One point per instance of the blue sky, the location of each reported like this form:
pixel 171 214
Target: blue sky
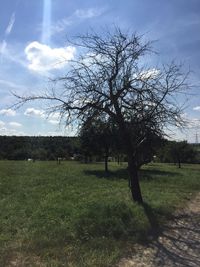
pixel 33 36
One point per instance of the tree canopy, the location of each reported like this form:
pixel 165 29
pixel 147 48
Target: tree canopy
pixel 109 79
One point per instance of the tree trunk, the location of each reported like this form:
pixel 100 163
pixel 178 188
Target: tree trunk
pixel 85 158
pixel 118 159
pixel 132 167
pixel 106 160
pixel 134 180
pixel 179 163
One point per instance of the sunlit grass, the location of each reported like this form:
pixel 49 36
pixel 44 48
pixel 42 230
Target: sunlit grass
pixel 74 215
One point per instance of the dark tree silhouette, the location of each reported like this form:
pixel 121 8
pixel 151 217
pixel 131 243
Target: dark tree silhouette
pixel 108 79
pixel 98 137
pixel 178 153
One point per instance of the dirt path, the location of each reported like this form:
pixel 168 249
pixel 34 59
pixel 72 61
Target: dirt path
pixel 178 245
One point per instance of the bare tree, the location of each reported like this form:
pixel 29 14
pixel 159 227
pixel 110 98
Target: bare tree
pixel 108 80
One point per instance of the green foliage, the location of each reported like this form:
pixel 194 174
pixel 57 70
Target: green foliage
pixel 37 147
pixel 98 137
pixel 178 152
pixel 74 215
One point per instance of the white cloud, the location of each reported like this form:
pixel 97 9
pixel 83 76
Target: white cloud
pixel 34 112
pixel 8 112
pixel 197 108
pixel 10 131
pixel 44 58
pixel 54 116
pixel 2 124
pixel 54 122
pixel 193 123
pixel 15 124
pixel 149 74
pixel 6 131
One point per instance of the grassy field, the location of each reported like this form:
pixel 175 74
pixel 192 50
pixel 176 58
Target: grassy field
pixel 74 215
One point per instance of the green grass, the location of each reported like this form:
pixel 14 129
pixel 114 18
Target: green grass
pixel 74 215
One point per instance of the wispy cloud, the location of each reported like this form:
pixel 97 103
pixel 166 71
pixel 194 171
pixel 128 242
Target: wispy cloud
pixel 88 13
pixel 78 16
pixel 7 33
pixel 14 53
pixel 3 46
pixel 11 85
pixel 10 24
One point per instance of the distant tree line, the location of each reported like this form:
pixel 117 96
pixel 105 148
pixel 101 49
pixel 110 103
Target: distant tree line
pixel 97 141
pixel 178 153
pixel 38 147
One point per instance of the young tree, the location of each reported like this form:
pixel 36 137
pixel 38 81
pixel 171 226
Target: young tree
pixel 108 80
pixel 98 137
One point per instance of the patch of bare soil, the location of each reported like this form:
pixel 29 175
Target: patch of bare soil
pixel 177 245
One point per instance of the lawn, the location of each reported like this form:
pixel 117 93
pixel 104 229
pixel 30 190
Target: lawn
pixel 73 214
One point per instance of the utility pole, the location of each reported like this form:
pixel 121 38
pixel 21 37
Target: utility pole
pixel 196 139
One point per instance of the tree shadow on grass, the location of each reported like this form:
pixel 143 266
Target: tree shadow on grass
pixel 152 218
pixel 145 174
pixel 110 175
pixel 123 174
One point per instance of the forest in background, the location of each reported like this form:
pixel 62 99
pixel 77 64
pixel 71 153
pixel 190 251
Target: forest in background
pixel 38 147
pixel 54 147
